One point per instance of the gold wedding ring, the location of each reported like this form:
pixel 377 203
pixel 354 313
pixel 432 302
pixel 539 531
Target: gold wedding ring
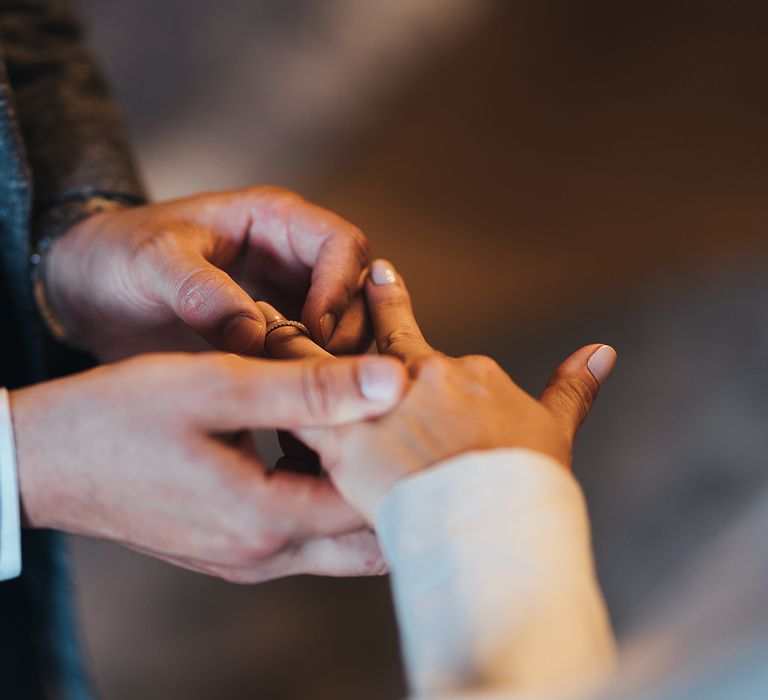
pixel 282 323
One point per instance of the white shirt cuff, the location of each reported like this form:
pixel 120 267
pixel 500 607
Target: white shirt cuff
pixel 10 526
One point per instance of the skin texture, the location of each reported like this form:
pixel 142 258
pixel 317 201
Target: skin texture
pixel 151 453
pixel 181 275
pixel 452 405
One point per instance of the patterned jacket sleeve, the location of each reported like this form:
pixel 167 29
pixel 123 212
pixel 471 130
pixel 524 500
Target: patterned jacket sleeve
pixel 75 142
pixel 75 147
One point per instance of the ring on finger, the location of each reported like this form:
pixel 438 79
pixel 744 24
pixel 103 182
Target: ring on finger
pixel 283 323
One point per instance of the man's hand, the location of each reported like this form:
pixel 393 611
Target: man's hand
pixel 452 406
pixel 170 276
pixel 153 453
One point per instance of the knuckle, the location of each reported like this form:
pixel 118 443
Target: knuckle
pixel 432 368
pixel 162 240
pixel 251 542
pixel 198 290
pixel 255 549
pixel 360 242
pixel 578 395
pixel 481 364
pixel 279 196
pixel 397 337
pixel 357 235
pixel 317 389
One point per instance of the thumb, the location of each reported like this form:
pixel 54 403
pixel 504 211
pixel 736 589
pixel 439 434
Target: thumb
pixel 573 387
pixel 292 394
pixel 209 301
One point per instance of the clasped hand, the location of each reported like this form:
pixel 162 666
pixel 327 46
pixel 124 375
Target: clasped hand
pixel 154 452
pixel 183 275
pixel 450 407
pixel 151 452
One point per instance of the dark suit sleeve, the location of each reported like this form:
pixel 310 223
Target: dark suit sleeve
pixel 76 146
pixel 73 139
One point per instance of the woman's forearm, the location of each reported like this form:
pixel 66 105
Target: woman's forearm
pixel 493 577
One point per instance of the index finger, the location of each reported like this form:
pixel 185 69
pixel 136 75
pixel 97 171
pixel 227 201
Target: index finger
pixel 394 326
pixel 336 275
pixel 299 232
pixel 289 342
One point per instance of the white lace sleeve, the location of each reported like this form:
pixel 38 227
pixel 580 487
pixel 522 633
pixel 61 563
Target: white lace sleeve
pixel 493 578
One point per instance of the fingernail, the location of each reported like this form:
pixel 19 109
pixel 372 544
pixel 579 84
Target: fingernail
pixel 383 272
pixel 327 326
pixel 241 333
pixel 380 380
pixel 601 363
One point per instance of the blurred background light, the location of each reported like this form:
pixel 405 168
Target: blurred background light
pixel 544 174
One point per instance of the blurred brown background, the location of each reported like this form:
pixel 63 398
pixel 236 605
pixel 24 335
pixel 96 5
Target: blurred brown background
pixel 545 174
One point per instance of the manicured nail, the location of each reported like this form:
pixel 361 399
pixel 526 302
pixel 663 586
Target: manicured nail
pixel 382 272
pixel 327 326
pixel 241 333
pixel 380 380
pixel 601 363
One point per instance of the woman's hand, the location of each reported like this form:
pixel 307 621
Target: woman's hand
pixel 452 406
pixel 170 276
pixel 153 453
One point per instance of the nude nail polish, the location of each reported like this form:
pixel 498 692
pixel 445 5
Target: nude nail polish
pixel 383 272
pixel 379 381
pixel 601 363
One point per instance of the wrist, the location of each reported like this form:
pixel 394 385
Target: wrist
pixel 49 294
pixel 58 288
pixel 371 491
pixel 365 490
pixel 58 261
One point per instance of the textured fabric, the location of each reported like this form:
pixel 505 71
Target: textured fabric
pixel 60 140
pixel 493 578
pixel 69 125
